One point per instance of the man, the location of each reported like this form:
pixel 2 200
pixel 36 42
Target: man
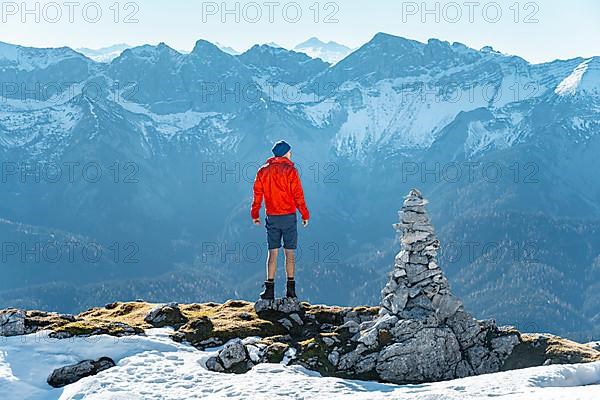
pixel 278 182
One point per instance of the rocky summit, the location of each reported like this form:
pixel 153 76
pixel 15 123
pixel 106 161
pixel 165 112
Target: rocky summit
pixel 419 333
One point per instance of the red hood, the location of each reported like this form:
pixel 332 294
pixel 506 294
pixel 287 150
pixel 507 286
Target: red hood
pixel 279 160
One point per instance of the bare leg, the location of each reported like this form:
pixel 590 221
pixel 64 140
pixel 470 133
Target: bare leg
pixel 290 263
pixel 272 263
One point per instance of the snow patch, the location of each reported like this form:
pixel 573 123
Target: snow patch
pixel 155 367
pixel 570 85
pixel 402 114
pixel 481 138
pixel 39 130
pixel 319 114
pixel 175 123
pixel 284 93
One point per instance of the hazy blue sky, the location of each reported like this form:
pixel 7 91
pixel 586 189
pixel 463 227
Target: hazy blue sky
pixel 538 31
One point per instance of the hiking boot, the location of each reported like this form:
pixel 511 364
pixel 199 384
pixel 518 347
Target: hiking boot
pixel 291 289
pixel 269 292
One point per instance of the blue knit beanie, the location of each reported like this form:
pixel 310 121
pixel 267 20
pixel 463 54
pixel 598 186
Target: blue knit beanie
pixel 281 148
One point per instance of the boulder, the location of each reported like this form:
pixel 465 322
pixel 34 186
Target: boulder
pixel 213 364
pixel 285 305
pixel 233 353
pixel 12 322
pixel 72 373
pixel 431 355
pixel 274 353
pixel 165 315
pixel 232 358
pixel 197 332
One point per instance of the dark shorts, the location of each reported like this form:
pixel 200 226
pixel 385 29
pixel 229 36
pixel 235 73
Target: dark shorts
pixel 282 226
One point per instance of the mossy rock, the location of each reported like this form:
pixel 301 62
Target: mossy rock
pixel 334 315
pixel 234 319
pixel 40 320
pixel 384 337
pixel 195 331
pixel 535 350
pixel 92 328
pixel 312 354
pixel 275 352
pixel 115 319
pixel 325 314
pixel 132 314
pixel 367 310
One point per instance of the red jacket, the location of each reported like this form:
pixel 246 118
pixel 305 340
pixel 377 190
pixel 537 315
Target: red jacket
pixel 279 183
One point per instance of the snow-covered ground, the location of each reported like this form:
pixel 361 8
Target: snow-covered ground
pixel 155 367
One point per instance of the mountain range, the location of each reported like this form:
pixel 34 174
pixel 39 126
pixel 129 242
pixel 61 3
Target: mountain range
pixel 138 173
pixel 330 52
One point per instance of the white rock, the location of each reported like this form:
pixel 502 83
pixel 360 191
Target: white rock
pixel 395 302
pixel 369 338
pixel 413 237
pixel 402 257
pixel 399 273
pixel 334 358
pixel 12 323
pixel 296 319
pixel 446 305
pixel 353 326
pixel 286 323
pixel 289 355
pixel 233 353
pixel 254 352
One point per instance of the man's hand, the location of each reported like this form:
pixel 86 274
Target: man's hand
pixel 305 223
pixel 256 221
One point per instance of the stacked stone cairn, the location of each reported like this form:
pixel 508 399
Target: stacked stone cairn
pixel 422 332
pixel 417 285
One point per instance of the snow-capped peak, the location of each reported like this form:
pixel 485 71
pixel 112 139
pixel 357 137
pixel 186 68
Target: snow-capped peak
pixel 331 52
pixel 104 54
pixel 227 49
pixel 585 79
pixel 274 45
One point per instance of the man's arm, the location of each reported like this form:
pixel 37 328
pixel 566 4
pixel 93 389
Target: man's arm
pixel 298 194
pixel 258 198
